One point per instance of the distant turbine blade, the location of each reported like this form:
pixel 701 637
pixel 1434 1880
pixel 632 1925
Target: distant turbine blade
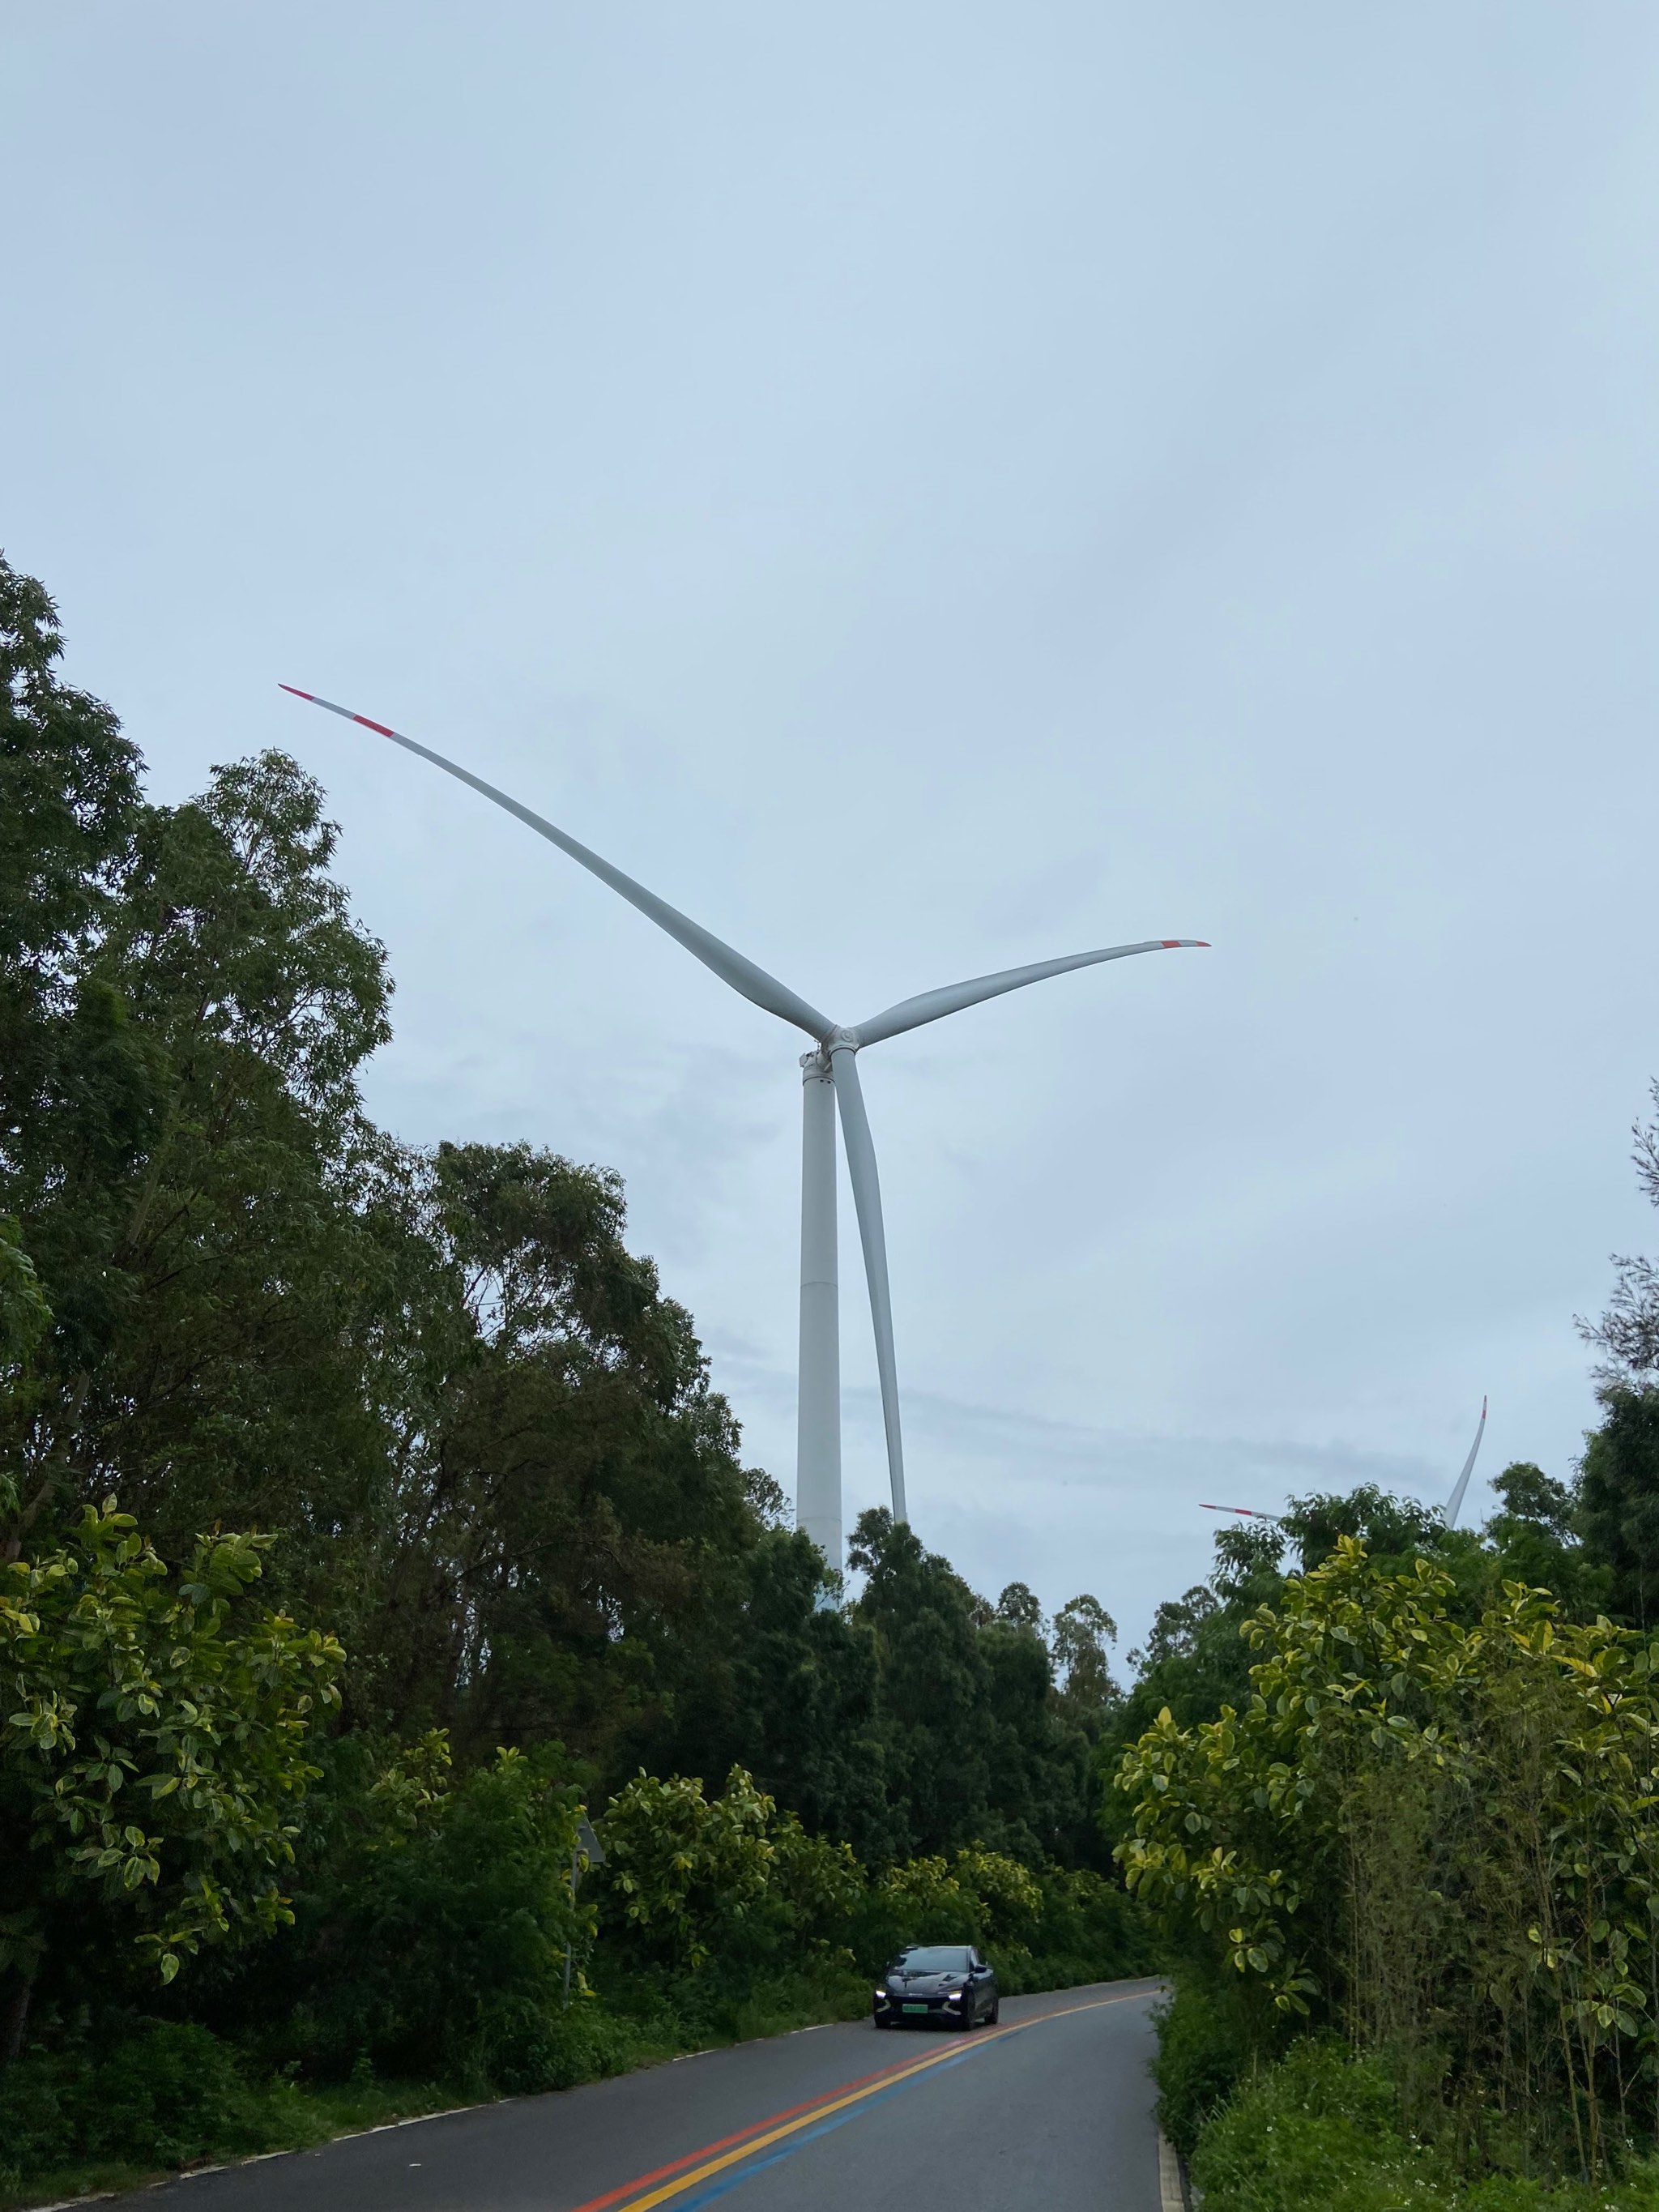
pixel 755 984
pixel 1249 1511
pixel 866 1197
pixel 1455 1506
pixel 933 1005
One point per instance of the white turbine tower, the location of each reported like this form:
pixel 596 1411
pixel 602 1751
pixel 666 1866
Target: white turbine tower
pixel 830 1079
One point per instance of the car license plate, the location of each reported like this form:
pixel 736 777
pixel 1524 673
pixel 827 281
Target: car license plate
pixel 914 2008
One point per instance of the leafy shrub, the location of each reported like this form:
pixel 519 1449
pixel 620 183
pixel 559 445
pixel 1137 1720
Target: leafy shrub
pixel 443 1951
pixel 1008 1899
pixel 816 1885
pixel 1361 1836
pixel 920 1902
pixel 727 1892
pixel 168 2095
pixel 685 1871
pixel 1319 2129
pixel 1203 2050
pixel 152 1745
pixel 1090 1930
pixel 1322 2129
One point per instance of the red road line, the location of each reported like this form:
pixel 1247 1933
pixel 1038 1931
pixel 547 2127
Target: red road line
pixel 755 2128
pixel 899 2067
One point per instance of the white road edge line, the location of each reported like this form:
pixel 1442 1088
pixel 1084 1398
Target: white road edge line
pixel 1172 2193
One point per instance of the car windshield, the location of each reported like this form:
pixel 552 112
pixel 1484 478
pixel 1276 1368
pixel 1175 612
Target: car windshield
pixel 942 1959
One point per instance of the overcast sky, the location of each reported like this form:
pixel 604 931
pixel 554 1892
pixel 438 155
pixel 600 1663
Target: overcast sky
pixel 930 487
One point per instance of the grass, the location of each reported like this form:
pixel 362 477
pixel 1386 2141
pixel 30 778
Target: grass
pixel 282 2116
pixel 176 2099
pixel 1321 2129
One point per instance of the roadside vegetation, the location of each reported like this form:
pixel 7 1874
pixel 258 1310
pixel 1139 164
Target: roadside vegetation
pixel 1396 1810
pixel 367 1516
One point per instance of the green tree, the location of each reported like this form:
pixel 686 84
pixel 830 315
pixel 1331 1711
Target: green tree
pixel 686 1871
pixel 153 1753
pixel 432 1939
pixel 1443 1832
pixel 69 798
pixel 1534 1538
pixel 1618 1503
pixel 804 1713
pixel 1389 1526
pixel 565 1550
pixel 1627 1334
pixel 933 1681
pixel 1090 1695
pixel 189 1188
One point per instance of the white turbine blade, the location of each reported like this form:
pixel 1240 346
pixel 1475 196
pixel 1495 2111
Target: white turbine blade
pixel 933 1005
pixel 866 1197
pixel 1249 1513
pixel 754 983
pixel 1455 1506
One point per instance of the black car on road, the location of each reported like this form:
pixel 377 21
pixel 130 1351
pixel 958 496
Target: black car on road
pixel 947 1981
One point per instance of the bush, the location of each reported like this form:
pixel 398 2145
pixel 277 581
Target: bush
pixel 1203 2051
pixel 443 1953
pixel 1322 2129
pixel 154 1736
pixel 1318 2129
pixel 685 1872
pixel 169 2095
pixel 1090 1930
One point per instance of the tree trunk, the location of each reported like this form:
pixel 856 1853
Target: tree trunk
pixel 15 2018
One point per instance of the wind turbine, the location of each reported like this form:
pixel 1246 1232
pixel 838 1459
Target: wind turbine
pixel 1454 1505
pixel 829 1078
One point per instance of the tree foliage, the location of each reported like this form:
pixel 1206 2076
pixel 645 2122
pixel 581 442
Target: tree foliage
pixel 153 1752
pixel 1442 1833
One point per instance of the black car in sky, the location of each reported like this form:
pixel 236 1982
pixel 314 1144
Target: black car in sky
pixel 947 1981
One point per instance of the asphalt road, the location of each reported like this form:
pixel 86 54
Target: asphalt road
pixel 1052 2109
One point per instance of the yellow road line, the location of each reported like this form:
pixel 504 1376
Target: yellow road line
pixel 685 2181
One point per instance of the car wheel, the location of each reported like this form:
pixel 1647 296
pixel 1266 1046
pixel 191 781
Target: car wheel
pixel 991 2017
pixel 882 2023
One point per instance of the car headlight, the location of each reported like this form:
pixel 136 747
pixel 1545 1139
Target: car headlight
pixel 880 1996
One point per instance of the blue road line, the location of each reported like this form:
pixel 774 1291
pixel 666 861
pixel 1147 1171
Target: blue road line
pixel 825 2127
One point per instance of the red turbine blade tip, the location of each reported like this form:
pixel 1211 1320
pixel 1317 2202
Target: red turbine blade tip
pixel 296 691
